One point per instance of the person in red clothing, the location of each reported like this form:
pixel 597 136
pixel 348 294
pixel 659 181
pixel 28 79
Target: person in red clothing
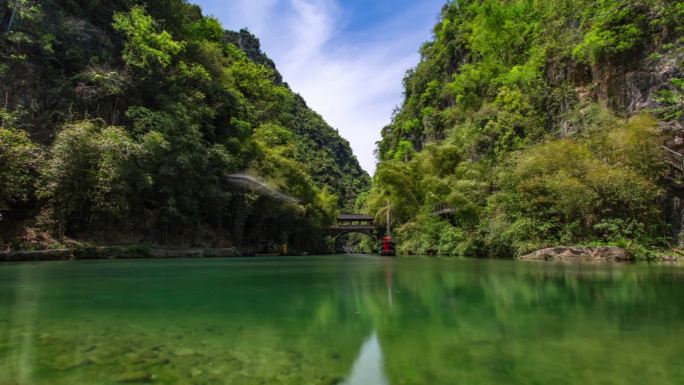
pixel 387 243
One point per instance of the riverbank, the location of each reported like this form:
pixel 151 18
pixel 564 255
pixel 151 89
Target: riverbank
pixel 115 252
pixel 597 254
pixel 26 241
pixel 558 254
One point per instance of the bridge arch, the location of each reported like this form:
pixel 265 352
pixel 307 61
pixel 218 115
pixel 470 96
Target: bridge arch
pixel 341 234
pixel 353 224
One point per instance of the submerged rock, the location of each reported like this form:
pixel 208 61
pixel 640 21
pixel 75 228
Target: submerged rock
pixel 135 378
pixel 579 254
pixel 183 352
pixel 81 364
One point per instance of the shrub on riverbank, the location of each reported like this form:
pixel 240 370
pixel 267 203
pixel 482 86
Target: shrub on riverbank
pixel 602 188
pixel 603 185
pixel 20 161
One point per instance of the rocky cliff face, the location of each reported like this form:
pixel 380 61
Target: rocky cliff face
pixel 645 88
pixel 647 80
pixel 628 85
pixel 631 89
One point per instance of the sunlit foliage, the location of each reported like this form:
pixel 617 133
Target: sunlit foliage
pixel 501 122
pixel 145 108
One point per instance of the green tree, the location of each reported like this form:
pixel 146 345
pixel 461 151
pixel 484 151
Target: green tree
pixel 144 45
pixel 20 161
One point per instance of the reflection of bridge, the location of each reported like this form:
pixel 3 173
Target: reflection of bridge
pixel 353 223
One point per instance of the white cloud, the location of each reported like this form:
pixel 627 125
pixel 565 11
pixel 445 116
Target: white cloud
pixel 353 79
pixel 257 14
pixel 311 27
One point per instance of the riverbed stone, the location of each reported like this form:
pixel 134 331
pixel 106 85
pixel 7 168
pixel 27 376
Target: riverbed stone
pixel 135 378
pixel 580 254
pixel 183 352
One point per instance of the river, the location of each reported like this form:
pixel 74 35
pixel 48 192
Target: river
pixel 352 320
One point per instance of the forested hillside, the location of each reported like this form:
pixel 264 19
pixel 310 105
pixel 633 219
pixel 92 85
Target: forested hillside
pixel 538 123
pixel 127 118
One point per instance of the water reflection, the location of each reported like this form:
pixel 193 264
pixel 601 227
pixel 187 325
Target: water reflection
pixel 307 321
pixel 22 327
pixel 389 280
pixel 368 366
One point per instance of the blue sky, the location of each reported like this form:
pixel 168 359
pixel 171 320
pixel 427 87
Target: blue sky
pixel 347 58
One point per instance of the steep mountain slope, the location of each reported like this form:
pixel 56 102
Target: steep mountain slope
pixel 125 116
pixel 537 123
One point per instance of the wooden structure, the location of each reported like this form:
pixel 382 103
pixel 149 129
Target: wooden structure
pixel 442 209
pixel 674 158
pixel 353 223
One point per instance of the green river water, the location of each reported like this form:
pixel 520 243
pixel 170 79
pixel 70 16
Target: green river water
pixel 346 320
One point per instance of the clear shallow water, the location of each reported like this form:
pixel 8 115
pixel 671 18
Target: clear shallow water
pixel 339 320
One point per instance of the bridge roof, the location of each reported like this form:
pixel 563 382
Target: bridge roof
pixel 355 217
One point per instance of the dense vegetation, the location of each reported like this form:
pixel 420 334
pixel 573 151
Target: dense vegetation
pixel 527 119
pixel 127 117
